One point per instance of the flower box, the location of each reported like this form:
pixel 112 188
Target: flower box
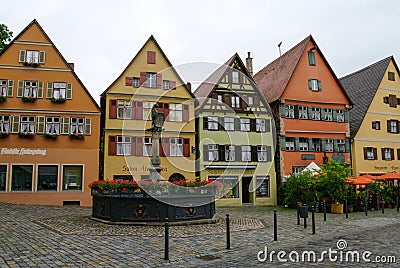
pixel 31 64
pixel 2 99
pixel 76 136
pixel 28 99
pixel 26 135
pixel 50 136
pixel 4 135
pixel 58 100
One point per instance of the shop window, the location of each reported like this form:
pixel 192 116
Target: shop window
pixel 47 178
pixel 263 186
pixel 3 177
pixel 21 178
pixel 227 186
pixel 72 177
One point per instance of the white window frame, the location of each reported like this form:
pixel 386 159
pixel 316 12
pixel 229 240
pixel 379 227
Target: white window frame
pixel 175 112
pixel 316 144
pixel 151 80
pixel 261 124
pixel 166 84
pixel 229 123
pixel 147 106
pixel 235 102
pixel 135 82
pixel 32 56
pixel 30 89
pixel 59 90
pixel 245 124
pixel 3 87
pixel 303 144
pixel 329 145
pixel 219 98
pixel 53 125
pixel 235 77
pixel 124 109
pixel 124 145
pixel 339 115
pixel 212 123
pixel 230 155
pixel 316 113
pixel 387 154
pixel 370 153
pixel 341 145
pixel 77 125
pixel 147 146
pixel 303 112
pixel 213 153
pixel 246 153
pixel 328 114
pixel 176 147
pixel 27 124
pixel 4 123
pixel 289 142
pixel 393 126
pixel 250 100
pixel 289 111
pixel 314 84
pixel 262 153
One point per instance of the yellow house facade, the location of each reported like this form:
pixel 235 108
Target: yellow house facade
pixel 375 117
pixel 148 79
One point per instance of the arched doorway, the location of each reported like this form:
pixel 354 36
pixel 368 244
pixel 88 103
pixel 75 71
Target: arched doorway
pixel 176 177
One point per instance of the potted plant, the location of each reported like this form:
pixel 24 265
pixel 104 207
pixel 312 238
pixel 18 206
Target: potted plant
pixel 4 135
pixel 50 136
pixel 298 188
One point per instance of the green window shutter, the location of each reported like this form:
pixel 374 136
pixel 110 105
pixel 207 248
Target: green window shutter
pixel 65 125
pixel 323 145
pixel 69 91
pixel 88 126
pixel 283 110
pixel 20 90
pixel 335 146
pixel 347 146
pixel 15 124
pixel 311 58
pixel 346 116
pixel 296 111
pixel 319 85
pixel 322 113
pixel 40 90
pixel 10 91
pixel 40 124
pixel 334 114
pixel 22 56
pixel 42 57
pixel 283 143
pixel 310 145
pixel 310 84
pixel 49 92
pixel 297 144
pixel 309 111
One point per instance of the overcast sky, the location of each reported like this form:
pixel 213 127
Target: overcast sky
pixel 102 37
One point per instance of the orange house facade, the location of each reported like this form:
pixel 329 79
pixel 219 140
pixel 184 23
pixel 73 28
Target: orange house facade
pixel 310 108
pixel 49 125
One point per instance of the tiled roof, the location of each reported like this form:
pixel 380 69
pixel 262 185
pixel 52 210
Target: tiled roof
pixel 361 86
pixel 273 78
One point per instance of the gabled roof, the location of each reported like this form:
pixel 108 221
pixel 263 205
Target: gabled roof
pixel 362 86
pixel 206 88
pixel 273 79
pixel 151 38
pixel 35 22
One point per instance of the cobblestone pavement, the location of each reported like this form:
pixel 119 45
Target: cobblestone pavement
pixel 45 236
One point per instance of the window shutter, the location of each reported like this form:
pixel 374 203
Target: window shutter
pixel 323 145
pixel 309 112
pixel 139 110
pixel 373 124
pixel 383 153
pixel 22 56
pixel 347 146
pixel 40 124
pixel 185 114
pixel 186 147
pixel 42 57
pixel 228 100
pixel 159 80
pixel 322 113
pixel 165 146
pixel 49 92
pixel 346 116
pixel 243 103
pixel 398 126
pixel 297 144
pixel 20 90
pixel 375 153
pixel 310 84
pixel 142 79
pixel 172 84
pixel 319 85
pixel 283 110
pixel 267 125
pixel 392 153
pixel 10 91
pixel 221 124
pixel 254 155
pixel 256 101
pixel 237 124
pixel 69 91
pixel 40 89
pixel 113 109
pixel 398 154
pixel 365 153
pixel 205 122
pixel 253 124
pixel 139 146
pixel 335 146
pixel 238 153
pixel 133 113
pixel 311 58
pixel 385 99
pixel 88 126
pixel 388 126
pixel 296 111
pixel 334 114
pixel 151 57
pixel 205 152
pixel 15 124
pixel 128 81
pixel 65 125
pixel 269 153
pixel 283 143
pixel 166 111
pixel 112 145
pixel 133 145
pixel 392 101
pixel 310 145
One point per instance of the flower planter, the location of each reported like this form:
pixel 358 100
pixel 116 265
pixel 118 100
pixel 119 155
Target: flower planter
pixel 31 64
pixel 59 100
pixel 26 135
pixel 28 99
pixel 337 208
pixel 2 99
pixel 76 136
pixel 51 136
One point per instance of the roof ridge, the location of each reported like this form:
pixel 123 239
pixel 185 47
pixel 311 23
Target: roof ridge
pixel 367 67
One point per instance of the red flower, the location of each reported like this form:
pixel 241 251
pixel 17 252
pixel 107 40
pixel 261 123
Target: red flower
pixel 123 190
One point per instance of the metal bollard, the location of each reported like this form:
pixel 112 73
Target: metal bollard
pixel 275 226
pixel 305 218
pixel 366 207
pixel 383 206
pixel 346 208
pixel 228 233
pixel 313 219
pixel 166 252
pixel 324 210
pixel 298 213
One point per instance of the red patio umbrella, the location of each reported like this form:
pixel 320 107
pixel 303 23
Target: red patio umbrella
pixel 360 180
pixel 391 176
pixel 369 176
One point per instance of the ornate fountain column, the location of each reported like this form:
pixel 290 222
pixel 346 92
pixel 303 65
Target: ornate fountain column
pixel 157 126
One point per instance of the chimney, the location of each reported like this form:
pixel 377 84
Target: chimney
pixel 249 63
pixel 189 86
pixel 72 65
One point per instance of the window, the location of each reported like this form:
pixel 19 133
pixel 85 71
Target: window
pixel 175 112
pixel 297 169
pixel 303 144
pixel 316 113
pixel 30 89
pixel 165 84
pixel 147 146
pixel 229 123
pixel 314 85
pixel 393 126
pixel 3 176
pixel 289 144
pixel 151 80
pixel 231 189
pixel 176 147
pixel 289 111
pixel 3 88
pixel 4 123
pixel 22 178
pixel 147 106
pixel 261 125
pixel 219 98
pixel 376 125
pixel 250 101
pixel 124 109
pixel 339 115
pixel 261 153
pixel 212 123
pixel 28 124
pixel 47 178
pixel 370 153
pixel 329 145
pixel 316 145
pixel 53 125
pixel 311 58
pixel 77 125
pixel 246 153
pixel 244 124
pixel 341 144
pixel 72 177
pixel 328 115
pixel 235 77
pixel 59 90
pixel 263 186
pixel 229 153
pixel 136 82
pixel 235 102
pixel 123 145
pixel 387 154
pixel 213 152
pixel 303 114
pixel 32 56
pixel 391 76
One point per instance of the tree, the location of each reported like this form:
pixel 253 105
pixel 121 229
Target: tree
pixel 5 36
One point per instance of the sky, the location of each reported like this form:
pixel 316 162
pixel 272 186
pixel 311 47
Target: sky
pixel 101 37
